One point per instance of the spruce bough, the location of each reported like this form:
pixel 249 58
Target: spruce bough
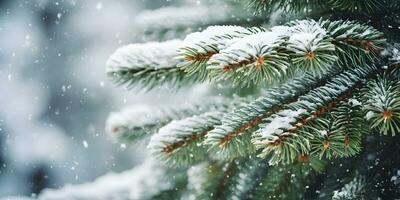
pixel 323 93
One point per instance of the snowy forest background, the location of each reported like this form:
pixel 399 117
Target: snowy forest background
pixel 55 96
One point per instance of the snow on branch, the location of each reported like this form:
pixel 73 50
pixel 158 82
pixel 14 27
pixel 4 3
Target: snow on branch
pixel 153 55
pixel 179 142
pixel 382 105
pixel 279 135
pixel 232 138
pixel 197 48
pixel 140 183
pixel 339 132
pixel 147 65
pixel 370 6
pixel 135 122
pixel 250 55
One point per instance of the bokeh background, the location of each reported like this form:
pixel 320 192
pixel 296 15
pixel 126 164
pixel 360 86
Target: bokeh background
pixel 54 93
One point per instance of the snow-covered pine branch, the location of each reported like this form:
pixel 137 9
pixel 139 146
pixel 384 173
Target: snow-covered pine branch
pixel 382 105
pixel 355 6
pixel 147 65
pixel 143 182
pixel 232 138
pixel 179 143
pixel 338 133
pixel 137 121
pixel 250 55
pixel 197 48
pixel 279 135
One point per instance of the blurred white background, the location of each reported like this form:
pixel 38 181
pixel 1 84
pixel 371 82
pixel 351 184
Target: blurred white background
pixel 55 95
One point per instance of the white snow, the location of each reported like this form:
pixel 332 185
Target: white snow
pixel 369 115
pixel 308 26
pixel 153 55
pixel 306 35
pixel 280 122
pixel 139 183
pixel 354 102
pixel 305 40
pixel 246 48
pixel 323 133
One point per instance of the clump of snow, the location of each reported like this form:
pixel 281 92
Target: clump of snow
pixel 281 122
pixel 306 35
pixel 139 183
pixel 247 48
pixel 305 40
pixel 308 26
pixel 323 133
pixel 154 55
pixel 369 115
pixel 354 102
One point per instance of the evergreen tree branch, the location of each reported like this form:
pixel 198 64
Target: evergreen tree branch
pixel 338 133
pixel 382 105
pixel 136 122
pixel 368 6
pixel 145 66
pixel 198 47
pixel 179 142
pixel 264 56
pixel 232 138
pixel 279 135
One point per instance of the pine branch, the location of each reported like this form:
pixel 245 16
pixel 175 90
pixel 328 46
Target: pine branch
pixel 305 6
pixel 135 122
pixel 338 133
pixel 145 66
pixel 267 56
pixel 232 138
pixel 247 55
pixel 279 135
pixel 356 43
pixel 382 106
pixel 179 142
pixel 197 48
